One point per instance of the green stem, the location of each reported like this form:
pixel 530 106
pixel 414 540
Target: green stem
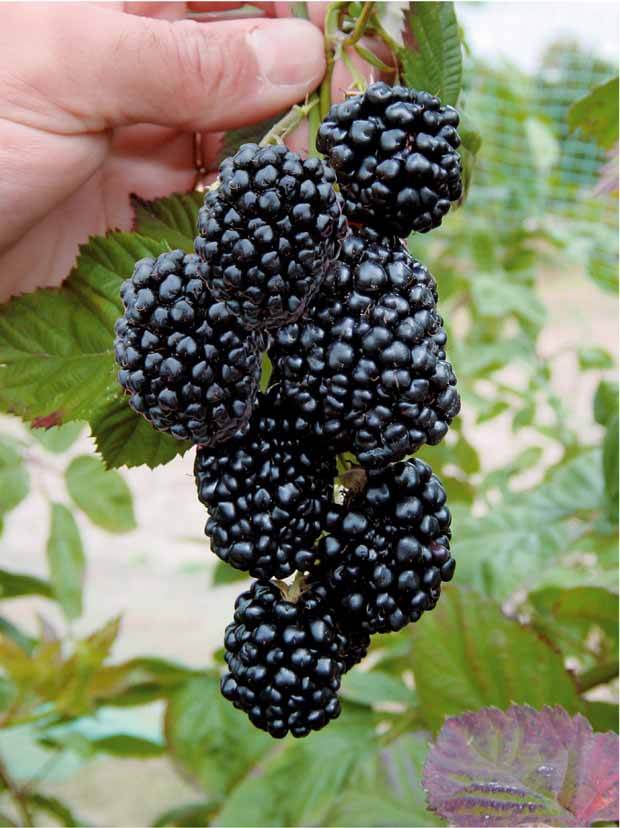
pixel 17 795
pixel 288 123
pixel 314 122
pixel 360 25
pixel 412 720
pixel 599 674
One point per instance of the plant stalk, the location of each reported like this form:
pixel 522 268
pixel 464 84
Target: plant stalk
pixel 17 795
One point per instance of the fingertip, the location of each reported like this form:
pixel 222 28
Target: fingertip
pixel 289 53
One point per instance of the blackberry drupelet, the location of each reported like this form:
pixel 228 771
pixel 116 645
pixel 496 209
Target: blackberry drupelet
pixel 268 233
pixel 267 492
pixel 388 549
pixel 185 362
pixel 395 154
pixel 366 365
pixel 284 660
pixel 354 643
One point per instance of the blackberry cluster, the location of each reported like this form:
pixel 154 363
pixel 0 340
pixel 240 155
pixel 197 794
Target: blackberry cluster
pixel 395 153
pixel 367 363
pixel 388 549
pixel 268 233
pixel 285 660
pixel 185 362
pixel 268 491
pixel 357 348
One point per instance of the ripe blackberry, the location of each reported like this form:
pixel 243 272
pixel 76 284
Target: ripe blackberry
pixel 388 549
pixel 267 491
pixel 185 361
pixel 268 232
pixel 367 363
pixel 283 659
pixel 395 154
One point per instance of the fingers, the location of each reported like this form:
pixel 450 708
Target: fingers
pixel 113 69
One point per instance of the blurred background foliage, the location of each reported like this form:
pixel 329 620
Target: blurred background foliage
pixel 532 476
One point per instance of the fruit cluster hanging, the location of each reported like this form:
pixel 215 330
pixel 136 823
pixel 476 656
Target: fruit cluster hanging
pixel 304 259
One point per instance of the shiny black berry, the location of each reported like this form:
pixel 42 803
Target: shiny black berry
pixel 185 362
pixel 267 491
pixel 284 660
pixel 395 154
pixel 268 233
pixel 367 363
pixel 388 549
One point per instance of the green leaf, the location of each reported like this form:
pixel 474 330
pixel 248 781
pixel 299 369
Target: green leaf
pixel 603 716
pixel 188 816
pixel 139 681
pixel 14 483
pixel 466 654
pixel 51 806
pixel 56 345
pixel 213 743
pixel 54 807
pixel 435 63
pixel 497 298
pixel 101 494
pixel 596 114
pixel 15 584
pixel 580 607
pixel 509 547
pixel 302 783
pixel 123 438
pixel 17 636
pixel 375 687
pixel 597 359
pixel 171 220
pixel 116 732
pixel 58 439
pixel 251 134
pixel 610 468
pixel 471 141
pixel 606 404
pixel 65 557
pixel 225 574
pixel 393 793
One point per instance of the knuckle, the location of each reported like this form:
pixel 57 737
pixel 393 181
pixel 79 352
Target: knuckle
pixel 204 59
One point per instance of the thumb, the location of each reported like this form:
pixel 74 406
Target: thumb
pixel 113 69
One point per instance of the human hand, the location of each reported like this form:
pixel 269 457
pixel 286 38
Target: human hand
pixel 99 101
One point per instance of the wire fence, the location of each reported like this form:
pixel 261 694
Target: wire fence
pixel 530 164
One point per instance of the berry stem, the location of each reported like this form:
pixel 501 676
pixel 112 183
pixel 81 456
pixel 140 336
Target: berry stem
pixel 314 122
pixel 289 122
pixel 361 24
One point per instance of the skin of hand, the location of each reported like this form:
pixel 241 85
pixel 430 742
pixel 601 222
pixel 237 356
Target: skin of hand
pixel 100 100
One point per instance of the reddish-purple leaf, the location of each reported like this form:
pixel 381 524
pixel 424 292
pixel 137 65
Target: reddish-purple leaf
pixel 522 767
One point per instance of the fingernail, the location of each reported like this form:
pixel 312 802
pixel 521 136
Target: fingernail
pixel 288 52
